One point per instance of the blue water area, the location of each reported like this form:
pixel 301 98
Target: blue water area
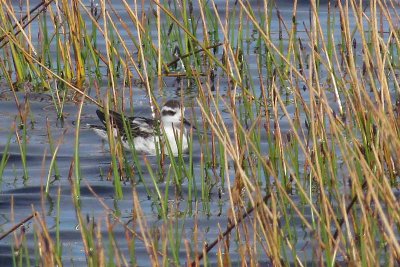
pixel 21 195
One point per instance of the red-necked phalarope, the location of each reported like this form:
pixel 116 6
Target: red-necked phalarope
pixel 144 131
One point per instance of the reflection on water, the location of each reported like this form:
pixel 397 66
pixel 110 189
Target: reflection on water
pixel 20 194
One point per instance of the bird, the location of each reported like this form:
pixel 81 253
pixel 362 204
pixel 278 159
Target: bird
pixel 147 134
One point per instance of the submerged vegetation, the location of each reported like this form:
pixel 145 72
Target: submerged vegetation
pixel 297 115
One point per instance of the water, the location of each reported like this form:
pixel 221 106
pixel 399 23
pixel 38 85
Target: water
pixel 21 195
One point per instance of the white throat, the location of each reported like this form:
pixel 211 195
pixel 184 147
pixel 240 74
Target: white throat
pixel 177 139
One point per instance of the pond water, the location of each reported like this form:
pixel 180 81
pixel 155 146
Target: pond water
pixel 20 195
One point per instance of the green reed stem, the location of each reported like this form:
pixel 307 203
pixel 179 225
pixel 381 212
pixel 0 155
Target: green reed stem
pixel 5 155
pixel 58 214
pixel 77 167
pixel 22 148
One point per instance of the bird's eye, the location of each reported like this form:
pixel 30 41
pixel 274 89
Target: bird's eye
pixel 168 113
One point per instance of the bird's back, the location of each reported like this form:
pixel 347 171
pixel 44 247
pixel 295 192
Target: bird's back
pixel 137 126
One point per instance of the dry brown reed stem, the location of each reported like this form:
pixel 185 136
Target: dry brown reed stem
pixel 269 42
pixel 304 150
pixel 75 187
pixel 204 24
pixel 20 28
pixel 74 19
pixel 127 29
pixel 16 226
pixel 110 65
pixel 123 42
pixel 282 189
pixel 49 71
pixel 227 47
pixel 373 185
pixel 193 53
pixel 207 247
pixel 372 70
pixel 159 57
pixel 194 39
pixel 329 66
pixel 136 209
pixel 317 110
pixel 20 24
pixel 47 250
pixel 348 209
pixel 152 102
pixel 229 148
pixel 151 250
pixel 48 255
pixel 99 244
pixel 117 257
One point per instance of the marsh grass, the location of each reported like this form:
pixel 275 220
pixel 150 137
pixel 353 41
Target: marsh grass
pixel 6 154
pixel 303 140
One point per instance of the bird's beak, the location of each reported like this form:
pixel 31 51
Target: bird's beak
pixel 186 122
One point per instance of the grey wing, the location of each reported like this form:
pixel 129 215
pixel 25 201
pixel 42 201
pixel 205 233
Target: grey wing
pixel 116 119
pixel 142 126
pixel 138 126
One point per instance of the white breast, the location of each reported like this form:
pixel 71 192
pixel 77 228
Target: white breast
pixel 176 139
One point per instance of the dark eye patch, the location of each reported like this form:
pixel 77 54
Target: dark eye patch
pixel 168 112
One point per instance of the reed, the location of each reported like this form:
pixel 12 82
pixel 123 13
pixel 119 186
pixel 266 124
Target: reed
pixel 5 155
pixel 21 139
pixel 297 124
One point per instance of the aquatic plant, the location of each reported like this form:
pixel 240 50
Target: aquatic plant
pixel 297 128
